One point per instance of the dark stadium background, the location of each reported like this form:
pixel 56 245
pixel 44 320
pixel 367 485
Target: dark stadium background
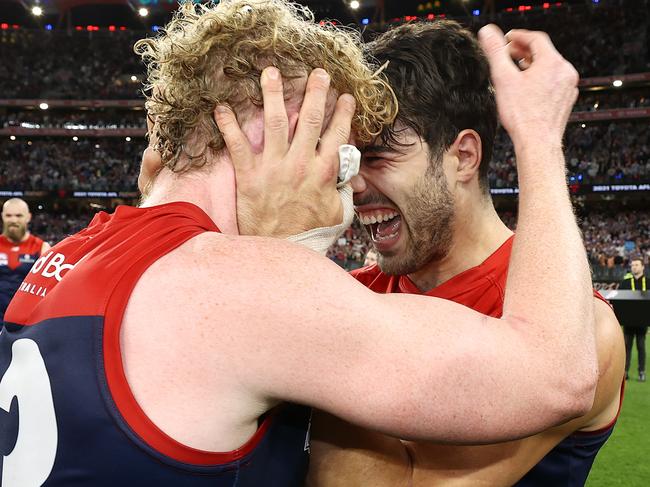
pixel 72 129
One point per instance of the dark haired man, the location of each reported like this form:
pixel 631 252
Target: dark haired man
pixel 423 196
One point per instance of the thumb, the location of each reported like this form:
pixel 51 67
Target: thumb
pixel 495 46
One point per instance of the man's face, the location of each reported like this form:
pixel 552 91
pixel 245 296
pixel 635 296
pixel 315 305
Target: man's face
pixel 636 267
pixel 406 205
pixel 15 217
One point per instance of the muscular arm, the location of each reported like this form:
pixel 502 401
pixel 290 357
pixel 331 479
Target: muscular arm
pixel 391 362
pixel 504 464
pixel 307 332
pixel 346 455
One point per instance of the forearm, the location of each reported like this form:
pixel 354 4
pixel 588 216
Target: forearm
pixel 557 305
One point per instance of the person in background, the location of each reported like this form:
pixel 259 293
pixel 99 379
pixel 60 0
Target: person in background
pixel 19 249
pixel 635 280
pixel 371 258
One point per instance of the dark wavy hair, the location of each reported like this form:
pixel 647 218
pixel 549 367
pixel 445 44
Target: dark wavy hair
pixel 442 81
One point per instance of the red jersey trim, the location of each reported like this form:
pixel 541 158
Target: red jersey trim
pixel 121 393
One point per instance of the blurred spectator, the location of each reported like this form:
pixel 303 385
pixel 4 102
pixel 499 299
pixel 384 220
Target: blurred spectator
pixel 635 281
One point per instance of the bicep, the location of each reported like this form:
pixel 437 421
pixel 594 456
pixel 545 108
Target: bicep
pixel 410 366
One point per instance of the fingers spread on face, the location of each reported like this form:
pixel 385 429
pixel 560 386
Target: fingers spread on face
pixel 312 114
pixel 276 122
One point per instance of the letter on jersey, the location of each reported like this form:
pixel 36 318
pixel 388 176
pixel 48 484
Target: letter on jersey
pixel 31 461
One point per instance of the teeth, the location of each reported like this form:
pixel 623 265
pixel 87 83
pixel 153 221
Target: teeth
pixel 369 219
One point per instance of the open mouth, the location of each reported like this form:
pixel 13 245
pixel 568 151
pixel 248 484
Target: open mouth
pixel 383 225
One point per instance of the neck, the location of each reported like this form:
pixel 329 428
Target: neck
pixel 211 188
pixel 477 233
pixel 638 276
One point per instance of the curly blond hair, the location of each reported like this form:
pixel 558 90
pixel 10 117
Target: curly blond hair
pixel 214 54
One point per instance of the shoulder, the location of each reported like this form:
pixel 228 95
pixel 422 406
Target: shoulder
pixel 367 274
pixel 611 362
pixel 238 267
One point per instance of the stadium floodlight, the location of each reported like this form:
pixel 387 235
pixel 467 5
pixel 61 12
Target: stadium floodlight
pixel 143 12
pixel 12 137
pixel 583 125
pixel 75 138
pixel 43 106
pixel 37 11
pixel 128 139
pixel 134 77
pixel 354 4
pixel 617 83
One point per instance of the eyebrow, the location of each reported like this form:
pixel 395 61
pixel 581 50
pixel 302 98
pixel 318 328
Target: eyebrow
pixel 380 149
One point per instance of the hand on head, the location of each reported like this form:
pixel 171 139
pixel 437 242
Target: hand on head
pixel 289 187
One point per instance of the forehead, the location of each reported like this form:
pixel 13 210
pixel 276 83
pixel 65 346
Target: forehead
pixel 15 208
pixel 402 139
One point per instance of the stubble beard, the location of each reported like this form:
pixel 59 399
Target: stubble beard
pixel 430 215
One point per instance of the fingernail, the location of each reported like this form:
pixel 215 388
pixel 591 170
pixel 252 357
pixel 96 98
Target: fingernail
pixel 221 109
pixel 272 72
pixel 322 74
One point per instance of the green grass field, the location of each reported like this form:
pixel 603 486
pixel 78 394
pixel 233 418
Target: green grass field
pixel 624 460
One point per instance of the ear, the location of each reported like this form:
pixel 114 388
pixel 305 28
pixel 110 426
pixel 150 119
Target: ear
pixel 469 151
pixel 151 165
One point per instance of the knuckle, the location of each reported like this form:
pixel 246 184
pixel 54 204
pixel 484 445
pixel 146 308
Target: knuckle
pixel 277 122
pixel 342 133
pixel 313 117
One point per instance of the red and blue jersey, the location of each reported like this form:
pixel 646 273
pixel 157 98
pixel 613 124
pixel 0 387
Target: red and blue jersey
pixel 15 261
pixel 67 414
pixel 482 288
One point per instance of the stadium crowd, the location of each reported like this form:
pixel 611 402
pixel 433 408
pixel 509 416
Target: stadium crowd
pixel 603 152
pixel 613 34
pixel 41 164
pixel 75 120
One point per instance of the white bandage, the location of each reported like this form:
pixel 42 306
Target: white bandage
pixel 321 239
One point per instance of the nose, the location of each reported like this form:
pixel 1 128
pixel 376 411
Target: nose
pixel 358 183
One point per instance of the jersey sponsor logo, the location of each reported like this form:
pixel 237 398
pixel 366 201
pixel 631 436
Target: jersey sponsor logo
pixel 4 259
pixel 31 460
pixel 39 291
pixel 52 265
